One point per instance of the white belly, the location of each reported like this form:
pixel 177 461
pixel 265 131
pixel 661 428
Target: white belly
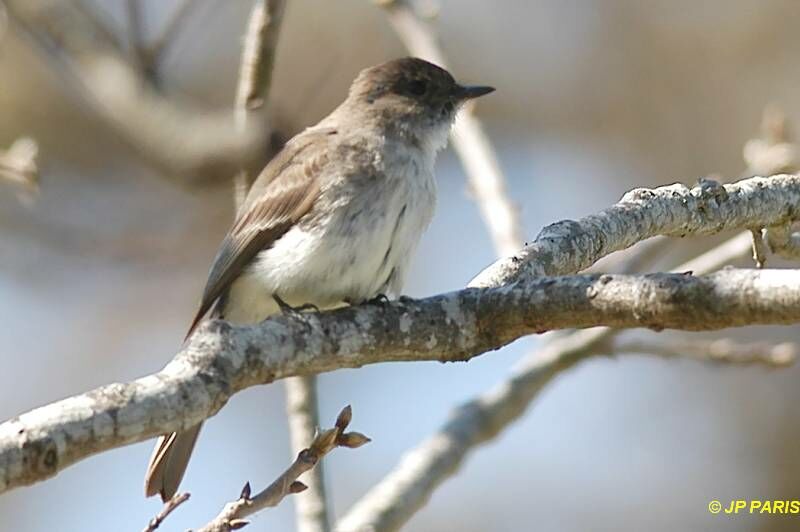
pixel 362 248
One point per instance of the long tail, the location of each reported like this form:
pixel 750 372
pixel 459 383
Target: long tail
pixel 168 463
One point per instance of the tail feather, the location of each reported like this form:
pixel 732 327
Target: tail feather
pixel 168 463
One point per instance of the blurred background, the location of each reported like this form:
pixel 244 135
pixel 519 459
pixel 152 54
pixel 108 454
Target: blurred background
pixel 101 270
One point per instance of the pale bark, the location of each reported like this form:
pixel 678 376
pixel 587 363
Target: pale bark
pixel 222 359
pixel 675 210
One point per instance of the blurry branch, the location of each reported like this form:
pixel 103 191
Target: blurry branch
pixel 102 23
pixel 3 22
pixel 411 482
pixel 180 142
pixel 232 516
pixel 258 56
pixel 148 58
pixel 255 75
pixel 18 165
pixel 723 350
pixel 133 10
pixel 407 487
pixel 719 256
pixel 784 242
pixel 302 408
pixel 167 509
pixel 159 47
pixel 470 141
pixel 221 359
pixel 774 152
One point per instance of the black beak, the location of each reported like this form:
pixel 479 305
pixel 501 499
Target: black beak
pixel 468 92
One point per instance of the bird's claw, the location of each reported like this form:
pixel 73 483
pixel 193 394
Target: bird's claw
pixel 380 299
pixel 287 309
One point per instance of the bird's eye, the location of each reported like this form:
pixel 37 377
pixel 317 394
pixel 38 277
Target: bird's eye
pixel 417 87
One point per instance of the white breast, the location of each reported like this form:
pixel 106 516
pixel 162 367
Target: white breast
pixel 362 247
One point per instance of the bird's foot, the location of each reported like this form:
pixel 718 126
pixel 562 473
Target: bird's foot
pixel 380 299
pixel 287 309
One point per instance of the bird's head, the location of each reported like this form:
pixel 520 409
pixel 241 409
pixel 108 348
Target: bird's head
pixel 412 95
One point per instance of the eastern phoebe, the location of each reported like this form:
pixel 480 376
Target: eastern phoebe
pixel 335 217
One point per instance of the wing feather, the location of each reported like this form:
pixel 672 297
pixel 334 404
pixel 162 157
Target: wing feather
pixel 284 192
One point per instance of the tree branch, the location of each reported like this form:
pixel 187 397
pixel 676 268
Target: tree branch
pixel 674 210
pixel 179 142
pixel 169 507
pixel 398 496
pixel 255 75
pixel 409 485
pixel 135 30
pixel 221 359
pixel 224 359
pixel 159 47
pixel 232 516
pixel 723 350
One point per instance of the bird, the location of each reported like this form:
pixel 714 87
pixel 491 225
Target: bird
pixel 334 218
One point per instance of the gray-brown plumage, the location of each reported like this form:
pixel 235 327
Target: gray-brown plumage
pixel 334 217
pixel 282 194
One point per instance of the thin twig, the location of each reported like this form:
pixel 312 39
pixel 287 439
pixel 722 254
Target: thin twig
pixel 302 409
pixel 102 22
pixel 168 508
pixel 255 74
pixel 774 152
pixel 232 516
pixel 160 45
pixel 759 248
pixel 723 350
pixel 133 10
